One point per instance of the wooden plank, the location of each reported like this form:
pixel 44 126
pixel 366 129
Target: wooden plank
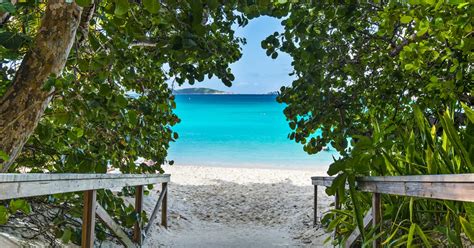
pixel 322 181
pixel 459 191
pixel 137 230
pixel 462 178
pixel 23 177
pixel 113 226
pixel 88 219
pixel 155 210
pixel 376 216
pixel 164 207
pixel 315 206
pixel 356 233
pixel 47 184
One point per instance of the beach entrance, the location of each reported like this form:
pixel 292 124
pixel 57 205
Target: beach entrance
pixel 238 180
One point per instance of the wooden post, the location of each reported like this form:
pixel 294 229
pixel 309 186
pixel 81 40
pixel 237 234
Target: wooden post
pixel 376 215
pixel 315 221
pixel 88 219
pixel 137 231
pixel 337 205
pixel 156 209
pixel 164 206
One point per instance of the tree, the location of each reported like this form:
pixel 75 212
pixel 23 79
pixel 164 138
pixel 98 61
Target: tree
pixel 120 47
pixel 88 85
pixel 390 85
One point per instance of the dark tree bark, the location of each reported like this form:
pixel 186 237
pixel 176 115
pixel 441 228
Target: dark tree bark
pixel 25 100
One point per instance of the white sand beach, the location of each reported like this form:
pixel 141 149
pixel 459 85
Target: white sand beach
pixel 239 207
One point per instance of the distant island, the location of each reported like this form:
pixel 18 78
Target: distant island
pixel 206 91
pixel 275 93
pixel 209 91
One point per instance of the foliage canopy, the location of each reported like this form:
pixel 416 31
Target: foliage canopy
pixel 389 83
pixel 395 80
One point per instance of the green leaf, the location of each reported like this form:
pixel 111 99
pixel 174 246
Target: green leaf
pixel 469 206
pixel 66 237
pixel 121 101
pixel 422 235
pixel 132 117
pixel 411 234
pixel 336 167
pixel 213 4
pixel 83 3
pixel 467 228
pixel 197 13
pixel 423 28
pixel 469 112
pixel 410 67
pixel 79 132
pixel 121 7
pixel 440 2
pixel 406 19
pixel 153 6
pixel 357 205
pixel 7 7
pixel 461 5
pixel 20 205
pixel 453 136
pixel 4 156
pixel 4 215
pixel 13 40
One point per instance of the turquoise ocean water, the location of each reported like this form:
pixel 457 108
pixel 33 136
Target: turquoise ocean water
pixel 237 131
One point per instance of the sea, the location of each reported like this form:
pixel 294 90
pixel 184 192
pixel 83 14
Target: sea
pixel 238 131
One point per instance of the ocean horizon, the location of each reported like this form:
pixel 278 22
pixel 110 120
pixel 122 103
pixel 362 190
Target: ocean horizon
pixel 237 130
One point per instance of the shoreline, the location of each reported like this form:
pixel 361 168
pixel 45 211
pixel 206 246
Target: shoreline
pixel 318 168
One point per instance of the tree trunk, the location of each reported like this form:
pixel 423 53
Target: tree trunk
pixel 25 100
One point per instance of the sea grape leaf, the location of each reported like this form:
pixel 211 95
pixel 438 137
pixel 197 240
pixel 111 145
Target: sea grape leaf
pixel 121 7
pixel 153 6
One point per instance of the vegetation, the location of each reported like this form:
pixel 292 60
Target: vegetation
pixel 197 91
pixel 389 83
pixel 66 78
pixel 393 79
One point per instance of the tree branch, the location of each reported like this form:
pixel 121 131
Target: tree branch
pixel 86 17
pixel 413 38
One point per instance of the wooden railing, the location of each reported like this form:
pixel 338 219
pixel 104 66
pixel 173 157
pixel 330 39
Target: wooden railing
pixel 27 185
pixel 458 187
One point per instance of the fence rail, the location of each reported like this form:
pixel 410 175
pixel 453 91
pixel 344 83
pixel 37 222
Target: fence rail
pixel 457 187
pixel 27 185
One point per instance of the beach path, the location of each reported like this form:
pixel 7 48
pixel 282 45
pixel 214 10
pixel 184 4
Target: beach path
pixel 239 207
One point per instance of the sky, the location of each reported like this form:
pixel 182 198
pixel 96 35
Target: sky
pixel 255 72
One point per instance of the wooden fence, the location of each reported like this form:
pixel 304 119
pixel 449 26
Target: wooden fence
pixel 458 187
pixel 27 185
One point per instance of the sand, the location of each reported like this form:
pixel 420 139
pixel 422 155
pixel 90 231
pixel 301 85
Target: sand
pixel 240 207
